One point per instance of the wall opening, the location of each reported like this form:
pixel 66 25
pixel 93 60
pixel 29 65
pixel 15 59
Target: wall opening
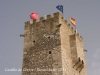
pixel 34 41
pixel 49 37
pixel 49 52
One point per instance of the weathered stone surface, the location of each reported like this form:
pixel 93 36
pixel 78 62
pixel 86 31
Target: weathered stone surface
pixel 52 47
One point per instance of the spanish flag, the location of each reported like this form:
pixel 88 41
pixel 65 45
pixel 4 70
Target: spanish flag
pixel 73 21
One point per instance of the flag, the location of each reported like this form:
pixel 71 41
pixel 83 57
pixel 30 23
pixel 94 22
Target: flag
pixel 60 7
pixel 73 21
pixel 34 16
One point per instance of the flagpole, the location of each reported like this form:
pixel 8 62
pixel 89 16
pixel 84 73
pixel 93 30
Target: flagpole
pixel 76 29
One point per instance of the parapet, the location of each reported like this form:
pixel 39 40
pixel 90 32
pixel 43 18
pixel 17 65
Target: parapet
pixel 79 36
pixel 75 31
pixel 42 18
pixel 28 22
pixel 55 16
pixel 49 16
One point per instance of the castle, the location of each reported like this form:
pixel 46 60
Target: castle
pixel 52 47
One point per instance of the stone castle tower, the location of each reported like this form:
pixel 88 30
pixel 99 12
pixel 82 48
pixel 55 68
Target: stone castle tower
pixel 52 47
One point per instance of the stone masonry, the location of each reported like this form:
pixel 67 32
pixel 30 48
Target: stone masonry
pixel 52 47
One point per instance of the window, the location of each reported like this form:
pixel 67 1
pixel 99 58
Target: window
pixel 49 52
pixel 34 41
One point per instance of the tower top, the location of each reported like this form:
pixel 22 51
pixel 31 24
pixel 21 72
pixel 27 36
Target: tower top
pixel 56 17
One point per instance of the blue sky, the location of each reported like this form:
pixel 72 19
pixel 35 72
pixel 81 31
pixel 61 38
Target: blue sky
pixel 13 14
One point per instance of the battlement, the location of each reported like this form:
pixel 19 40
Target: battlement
pixel 74 31
pixel 56 17
pixel 79 36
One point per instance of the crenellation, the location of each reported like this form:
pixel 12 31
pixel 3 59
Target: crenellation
pixel 74 31
pixel 42 18
pixel 69 25
pixel 58 15
pixel 66 22
pixel 49 16
pixel 28 22
pixel 72 28
pixel 79 36
pixel 25 23
pixel 26 26
pixel 51 23
pixel 62 20
pixel 35 21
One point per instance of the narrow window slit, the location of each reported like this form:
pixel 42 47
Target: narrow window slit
pixel 34 41
pixel 49 52
pixel 49 37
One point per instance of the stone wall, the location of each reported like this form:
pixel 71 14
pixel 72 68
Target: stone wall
pixel 48 46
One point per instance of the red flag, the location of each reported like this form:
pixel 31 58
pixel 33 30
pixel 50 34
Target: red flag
pixel 73 21
pixel 34 16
